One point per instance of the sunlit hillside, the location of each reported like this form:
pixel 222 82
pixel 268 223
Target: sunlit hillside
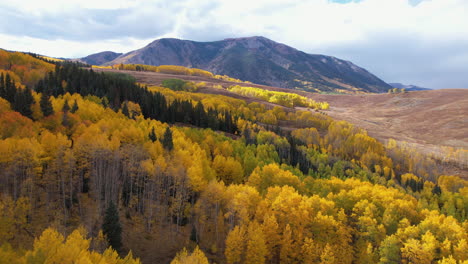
pixel 96 167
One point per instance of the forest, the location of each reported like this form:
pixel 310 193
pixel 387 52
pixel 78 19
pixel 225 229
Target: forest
pixel 96 168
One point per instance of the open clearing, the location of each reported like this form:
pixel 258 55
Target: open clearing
pixel 428 120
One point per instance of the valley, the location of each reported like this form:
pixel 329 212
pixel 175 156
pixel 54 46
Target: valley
pixel 412 117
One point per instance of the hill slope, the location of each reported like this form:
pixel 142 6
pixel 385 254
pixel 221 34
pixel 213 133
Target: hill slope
pixel 259 60
pixel 407 117
pixel 100 57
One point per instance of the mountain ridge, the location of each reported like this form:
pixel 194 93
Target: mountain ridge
pixel 260 60
pixel 409 87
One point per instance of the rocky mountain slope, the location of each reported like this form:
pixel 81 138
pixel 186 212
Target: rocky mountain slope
pixel 259 60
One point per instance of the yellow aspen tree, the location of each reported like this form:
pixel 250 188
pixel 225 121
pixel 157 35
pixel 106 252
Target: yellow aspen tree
pixel 327 256
pixel 461 250
pixel 235 244
pixel 256 248
pixel 196 257
pixel 287 250
pixel 430 244
pixel 413 252
pixel 270 230
pixel 449 260
pixel 310 251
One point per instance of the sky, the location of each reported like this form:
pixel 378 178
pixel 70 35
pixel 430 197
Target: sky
pixel 420 42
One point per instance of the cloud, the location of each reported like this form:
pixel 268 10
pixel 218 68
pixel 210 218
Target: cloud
pixel 420 41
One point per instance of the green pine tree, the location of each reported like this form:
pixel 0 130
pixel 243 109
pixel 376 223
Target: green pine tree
pixel 23 101
pixel 125 110
pixel 65 107
pixel 152 135
pixel 111 227
pixel 167 139
pixel 46 105
pixel 74 107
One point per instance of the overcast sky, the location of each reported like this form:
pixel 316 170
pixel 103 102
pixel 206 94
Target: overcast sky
pixel 422 42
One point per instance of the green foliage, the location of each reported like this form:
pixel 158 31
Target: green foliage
pixel 74 107
pixel 23 102
pixel 125 110
pixel 121 76
pixel 66 107
pixel 46 105
pixel 174 84
pixel 111 227
pixel 179 85
pixel 167 140
pixel 152 135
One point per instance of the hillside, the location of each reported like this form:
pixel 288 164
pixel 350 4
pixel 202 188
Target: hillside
pixel 100 164
pixel 100 57
pixel 406 117
pixel 259 60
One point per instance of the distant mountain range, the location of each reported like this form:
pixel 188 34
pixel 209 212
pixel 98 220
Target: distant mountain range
pixel 408 87
pixel 254 59
pixel 101 57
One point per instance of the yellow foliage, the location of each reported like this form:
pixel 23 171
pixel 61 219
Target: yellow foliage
pixel 196 257
pixel 281 98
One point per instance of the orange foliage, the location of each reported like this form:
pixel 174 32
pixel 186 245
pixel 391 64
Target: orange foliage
pixel 27 68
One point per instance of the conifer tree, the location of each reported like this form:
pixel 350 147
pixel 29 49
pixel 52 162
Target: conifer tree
pixel 65 107
pixel 2 86
pixel 10 89
pixel 46 105
pixel 23 101
pixel 125 110
pixel 167 140
pixel 74 107
pixel 152 135
pixel 111 227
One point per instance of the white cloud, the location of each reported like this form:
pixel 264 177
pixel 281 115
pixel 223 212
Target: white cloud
pixel 78 28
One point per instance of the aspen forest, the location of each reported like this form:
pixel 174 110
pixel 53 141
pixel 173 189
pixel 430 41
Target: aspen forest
pixel 98 168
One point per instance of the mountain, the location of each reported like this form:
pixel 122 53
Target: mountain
pixel 408 87
pixel 100 58
pixel 259 60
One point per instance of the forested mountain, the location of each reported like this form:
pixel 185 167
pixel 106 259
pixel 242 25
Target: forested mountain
pixel 258 60
pixel 96 168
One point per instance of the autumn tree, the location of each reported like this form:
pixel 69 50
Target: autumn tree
pixel 196 257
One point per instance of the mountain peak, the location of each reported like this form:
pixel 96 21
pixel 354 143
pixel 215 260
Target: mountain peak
pixel 258 38
pixel 259 60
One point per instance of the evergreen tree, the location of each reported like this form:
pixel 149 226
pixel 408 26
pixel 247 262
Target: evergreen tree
pixel 23 101
pixel 167 140
pixel 2 86
pixel 46 105
pixel 111 227
pixel 125 110
pixel 74 107
pixel 152 135
pixel 437 190
pixel 65 107
pixel 105 102
pixel 10 89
